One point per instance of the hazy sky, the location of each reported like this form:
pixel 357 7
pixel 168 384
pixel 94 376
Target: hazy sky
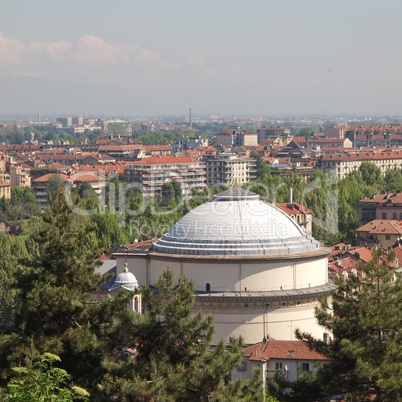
pixel 130 57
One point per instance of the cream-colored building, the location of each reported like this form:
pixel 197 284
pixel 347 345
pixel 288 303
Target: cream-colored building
pixel 384 232
pixel 255 269
pixel 347 162
pixel 284 360
pixel 229 169
pixel 19 176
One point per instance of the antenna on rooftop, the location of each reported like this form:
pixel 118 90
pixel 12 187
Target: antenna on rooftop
pixel 191 123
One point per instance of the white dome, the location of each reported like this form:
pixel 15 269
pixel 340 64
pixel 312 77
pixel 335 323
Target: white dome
pixel 125 280
pixel 236 222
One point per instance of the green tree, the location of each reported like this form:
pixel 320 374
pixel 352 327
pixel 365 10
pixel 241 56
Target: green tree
pixel 109 230
pixel 57 312
pixel 366 322
pixel 12 250
pixel 174 357
pixel 85 190
pixel 371 174
pixel 393 180
pixel 54 183
pixel 43 382
pixel 22 195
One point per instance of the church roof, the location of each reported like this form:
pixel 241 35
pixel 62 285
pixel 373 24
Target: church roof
pixel 125 280
pixel 236 222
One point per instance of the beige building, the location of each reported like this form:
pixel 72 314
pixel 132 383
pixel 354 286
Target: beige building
pixel 279 360
pixel 265 132
pixel 254 268
pixel 19 176
pixel 237 138
pixel 380 206
pixel 347 162
pixel 151 173
pixel 5 190
pixel 230 169
pixel 383 232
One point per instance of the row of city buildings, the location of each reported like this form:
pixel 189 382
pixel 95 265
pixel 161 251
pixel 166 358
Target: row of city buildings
pixel 194 162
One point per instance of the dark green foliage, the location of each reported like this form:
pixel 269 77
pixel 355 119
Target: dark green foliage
pixel 393 180
pixel 54 184
pixel 365 320
pixel 13 249
pixel 22 195
pixel 370 173
pixel 56 312
pixel 109 230
pixel 174 359
pixel 171 193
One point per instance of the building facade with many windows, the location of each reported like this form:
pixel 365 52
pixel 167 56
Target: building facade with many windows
pixel 149 174
pixel 230 169
pixel 345 163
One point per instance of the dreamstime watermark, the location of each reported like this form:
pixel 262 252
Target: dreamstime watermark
pixel 118 199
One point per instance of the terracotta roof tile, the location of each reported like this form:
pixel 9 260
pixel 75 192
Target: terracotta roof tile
pixel 285 350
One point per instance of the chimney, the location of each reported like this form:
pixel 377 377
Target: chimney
pixel 290 194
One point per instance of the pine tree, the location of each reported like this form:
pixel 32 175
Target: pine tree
pixel 174 359
pixel 366 320
pixel 57 312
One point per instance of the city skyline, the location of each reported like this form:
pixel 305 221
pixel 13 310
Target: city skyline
pixel 221 58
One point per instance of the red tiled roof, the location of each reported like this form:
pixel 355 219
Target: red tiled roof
pixel 157 147
pixel 45 178
pixel 285 350
pixel 162 160
pixel 392 198
pixel 127 147
pixel 300 140
pixel 381 226
pixel 293 208
pixel 363 156
pixel 330 140
pixel 363 253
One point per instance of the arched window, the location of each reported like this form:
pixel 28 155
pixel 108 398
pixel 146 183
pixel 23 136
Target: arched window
pixel 208 287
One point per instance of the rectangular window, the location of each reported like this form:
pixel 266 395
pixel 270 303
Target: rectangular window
pixel 394 215
pixel 278 366
pixel 242 367
pixel 384 215
pixel 305 366
pixel 387 237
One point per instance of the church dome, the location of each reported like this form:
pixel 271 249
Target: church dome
pixel 236 222
pixel 125 280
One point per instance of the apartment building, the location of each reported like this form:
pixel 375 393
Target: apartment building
pixel 380 206
pixel 362 136
pixel 237 138
pixel 265 132
pixel 230 169
pixel 347 162
pixel 20 176
pixel 151 173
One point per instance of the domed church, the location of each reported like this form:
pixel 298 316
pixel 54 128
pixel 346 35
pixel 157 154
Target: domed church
pixel 255 269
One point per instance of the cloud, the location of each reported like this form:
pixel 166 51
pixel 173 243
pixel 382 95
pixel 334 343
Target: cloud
pixel 54 50
pixel 93 60
pixel 11 51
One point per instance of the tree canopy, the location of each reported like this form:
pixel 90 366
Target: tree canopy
pixel 366 321
pixel 174 359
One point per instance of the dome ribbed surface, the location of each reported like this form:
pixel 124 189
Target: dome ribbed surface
pixel 236 222
pixel 125 280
